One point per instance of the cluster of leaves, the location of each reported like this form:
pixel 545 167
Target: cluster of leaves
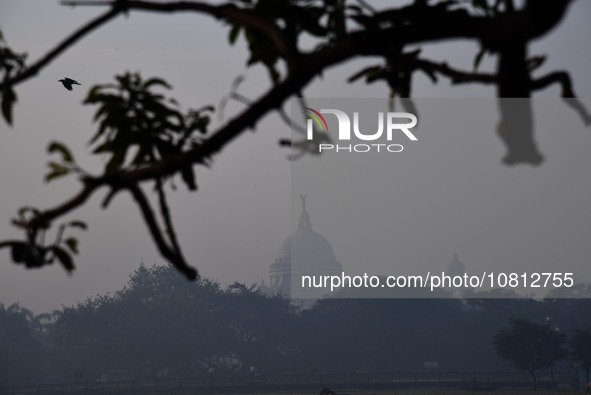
pixel 34 251
pixel 493 9
pixel 63 168
pixel 317 18
pixel 137 126
pixel 11 64
pixel 396 73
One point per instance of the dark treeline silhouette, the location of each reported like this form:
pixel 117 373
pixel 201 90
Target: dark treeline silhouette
pixel 161 325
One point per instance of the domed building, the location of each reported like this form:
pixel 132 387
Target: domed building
pixel 304 253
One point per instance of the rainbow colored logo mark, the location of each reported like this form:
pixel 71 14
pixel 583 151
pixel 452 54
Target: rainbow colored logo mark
pixel 316 117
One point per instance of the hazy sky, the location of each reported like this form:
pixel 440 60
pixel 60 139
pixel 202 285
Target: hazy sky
pixel 232 228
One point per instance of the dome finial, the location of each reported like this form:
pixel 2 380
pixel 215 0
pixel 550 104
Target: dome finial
pixel 303 197
pixel 304 216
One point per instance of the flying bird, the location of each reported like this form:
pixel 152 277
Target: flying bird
pixel 68 82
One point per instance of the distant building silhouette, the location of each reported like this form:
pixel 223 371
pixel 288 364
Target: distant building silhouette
pixel 455 267
pixel 304 252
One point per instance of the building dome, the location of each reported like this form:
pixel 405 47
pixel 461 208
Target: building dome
pixel 304 252
pixel 305 243
pixel 455 267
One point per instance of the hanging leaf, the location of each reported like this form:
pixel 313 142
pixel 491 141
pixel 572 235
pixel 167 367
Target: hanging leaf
pixel 78 224
pixel 188 176
pixel 478 58
pixel 56 171
pixel 365 72
pixel 17 249
pixel 72 244
pixel 8 100
pixel 535 62
pixel 234 32
pixel 56 146
pixel 64 258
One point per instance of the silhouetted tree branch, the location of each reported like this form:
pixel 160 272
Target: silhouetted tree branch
pixel 36 67
pixel 272 30
pixel 174 257
pixel 563 79
pixel 167 218
pixel 456 76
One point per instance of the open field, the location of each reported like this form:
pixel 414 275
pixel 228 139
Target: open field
pixel 395 383
pixel 409 392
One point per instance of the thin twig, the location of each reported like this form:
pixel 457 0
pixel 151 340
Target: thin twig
pixel 563 79
pixel 34 69
pixel 228 12
pixel 45 217
pixel 456 76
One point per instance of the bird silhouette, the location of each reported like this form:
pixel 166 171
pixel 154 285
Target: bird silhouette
pixel 68 82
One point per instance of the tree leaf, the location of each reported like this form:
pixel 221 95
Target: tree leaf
pixel 78 224
pixel 365 71
pixel 72 244
pixel 478 58
pixel 535 62
pixel 8 100
pixel 64 257
pixel 234 32
pixel 188 176
pixel 374 75
pixel 156 81
pixel 56 171
pixel 56 146
pixel 116 160
pixel 10 243
pixel 28 209
pixel 18 252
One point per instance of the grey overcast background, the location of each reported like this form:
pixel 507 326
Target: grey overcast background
pixel 233 226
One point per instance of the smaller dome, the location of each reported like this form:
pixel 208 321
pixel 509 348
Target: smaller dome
pixel 455 267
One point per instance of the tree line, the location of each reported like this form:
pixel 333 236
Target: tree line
pixel 161 325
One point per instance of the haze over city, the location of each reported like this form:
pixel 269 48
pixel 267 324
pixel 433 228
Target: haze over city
pixel 232 228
